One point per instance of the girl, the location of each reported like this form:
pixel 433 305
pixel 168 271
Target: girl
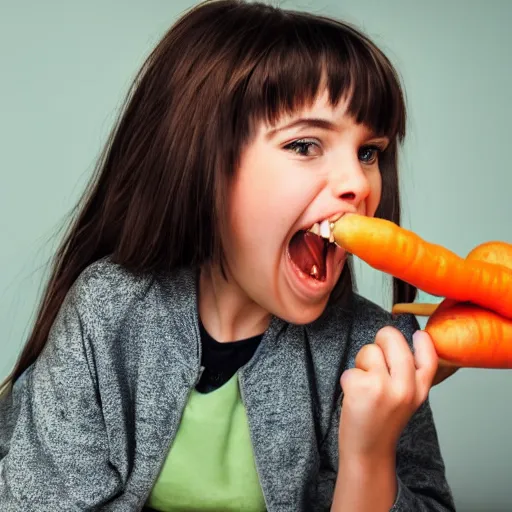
pixel 196 337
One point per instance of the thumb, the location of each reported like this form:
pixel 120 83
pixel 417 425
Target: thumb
pixel 426 360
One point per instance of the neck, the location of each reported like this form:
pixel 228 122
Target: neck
pixel 226 311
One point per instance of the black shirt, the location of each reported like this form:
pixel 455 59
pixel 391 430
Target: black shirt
pixel 222 360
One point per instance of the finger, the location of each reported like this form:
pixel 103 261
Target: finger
pixel 398 354
pixel 348 377
pixel 426 361
pixel 371 358
pixel 357 384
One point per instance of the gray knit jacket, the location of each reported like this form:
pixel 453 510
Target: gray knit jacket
pixel 89 424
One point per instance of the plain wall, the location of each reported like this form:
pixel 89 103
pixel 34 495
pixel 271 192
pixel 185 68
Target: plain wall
pixel 65 68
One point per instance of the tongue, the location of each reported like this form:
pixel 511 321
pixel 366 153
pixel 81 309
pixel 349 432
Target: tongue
pixel 308 252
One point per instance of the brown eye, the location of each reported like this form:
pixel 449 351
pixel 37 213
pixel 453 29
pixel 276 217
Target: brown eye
pixel 304 147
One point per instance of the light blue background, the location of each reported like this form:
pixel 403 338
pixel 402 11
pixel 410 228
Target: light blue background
pixel 66 65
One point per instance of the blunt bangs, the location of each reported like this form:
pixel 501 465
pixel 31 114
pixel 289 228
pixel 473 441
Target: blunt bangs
pixel 300 56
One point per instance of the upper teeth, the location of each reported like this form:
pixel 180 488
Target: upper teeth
pixel 324 229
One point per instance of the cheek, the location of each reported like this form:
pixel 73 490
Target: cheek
pixel 254 216
pixel 266 198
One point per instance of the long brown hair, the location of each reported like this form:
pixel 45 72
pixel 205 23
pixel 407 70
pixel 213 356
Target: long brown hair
pixel 156 200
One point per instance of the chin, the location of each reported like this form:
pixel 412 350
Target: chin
pixel 303 315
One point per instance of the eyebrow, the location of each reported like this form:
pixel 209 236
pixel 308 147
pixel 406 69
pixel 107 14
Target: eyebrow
pixel 310 122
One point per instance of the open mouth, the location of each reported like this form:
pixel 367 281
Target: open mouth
pixel 308 250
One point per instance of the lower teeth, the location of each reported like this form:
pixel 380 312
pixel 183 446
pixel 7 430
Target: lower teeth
pixel 314 271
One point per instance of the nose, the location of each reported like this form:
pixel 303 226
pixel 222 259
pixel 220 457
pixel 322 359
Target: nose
pixel 350 182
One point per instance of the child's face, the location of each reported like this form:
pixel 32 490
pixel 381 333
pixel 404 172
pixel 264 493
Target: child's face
pixel 292 176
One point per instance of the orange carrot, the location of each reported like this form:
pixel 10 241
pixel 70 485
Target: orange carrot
pixel 432 268
pixel 498 253
pixel 470 336
pixel 467 335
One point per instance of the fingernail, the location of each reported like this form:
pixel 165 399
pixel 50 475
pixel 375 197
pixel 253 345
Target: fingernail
pixel 416 337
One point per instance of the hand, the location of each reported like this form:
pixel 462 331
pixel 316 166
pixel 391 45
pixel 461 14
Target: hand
pixel 382 392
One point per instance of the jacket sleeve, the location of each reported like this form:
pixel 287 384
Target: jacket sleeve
pixel 422 484
pixel 57 457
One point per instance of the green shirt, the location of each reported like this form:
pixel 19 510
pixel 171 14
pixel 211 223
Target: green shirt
pixel 210 465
